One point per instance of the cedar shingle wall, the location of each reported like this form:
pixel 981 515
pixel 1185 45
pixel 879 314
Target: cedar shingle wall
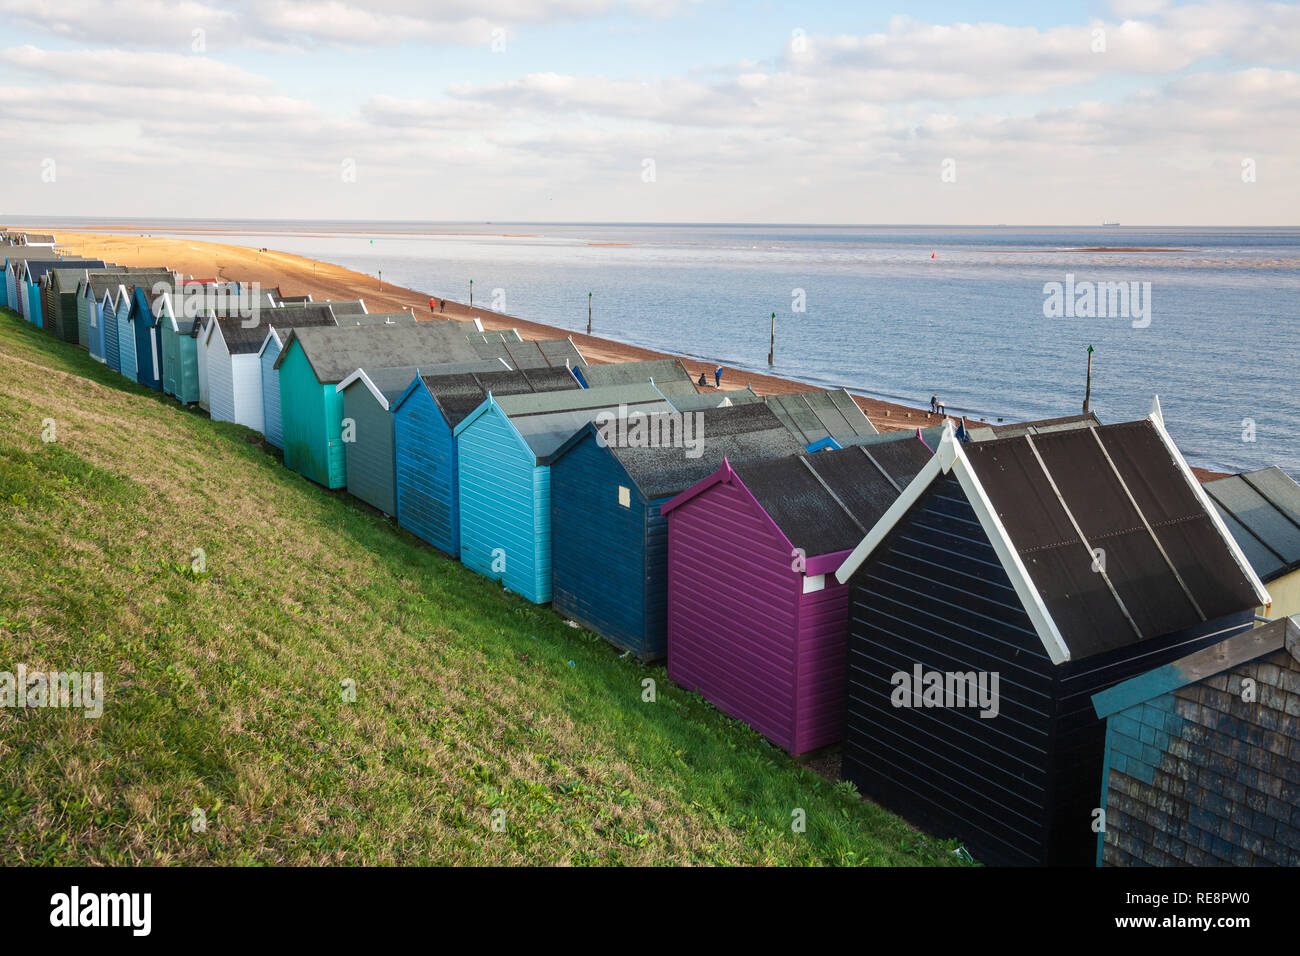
pixel 1201 777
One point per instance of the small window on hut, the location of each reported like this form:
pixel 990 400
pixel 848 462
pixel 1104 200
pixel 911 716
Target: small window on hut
pixel 625 496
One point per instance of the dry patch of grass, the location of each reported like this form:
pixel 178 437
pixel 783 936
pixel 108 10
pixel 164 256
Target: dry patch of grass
pixel 483 730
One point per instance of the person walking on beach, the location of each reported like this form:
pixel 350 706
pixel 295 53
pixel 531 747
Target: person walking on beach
pixel 703 381
pixel 717 377
pixel 444 306
pixel 432 303
pixel 934 404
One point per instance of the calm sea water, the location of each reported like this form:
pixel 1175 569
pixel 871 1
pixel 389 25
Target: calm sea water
pixel 896 312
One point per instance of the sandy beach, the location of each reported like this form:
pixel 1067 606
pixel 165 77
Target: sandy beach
pixel 296 275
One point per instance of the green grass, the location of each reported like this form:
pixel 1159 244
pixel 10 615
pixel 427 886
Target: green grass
pixel 223 687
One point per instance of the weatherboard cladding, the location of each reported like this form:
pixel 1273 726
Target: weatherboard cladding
pixel 783 674
pixel 148 346
pixel 271 426
pixel 369 455
pixel 504 487
pixel 1262 510
pixel 426 459
pixel 1017 788
pixel 1195 774
pixel 610 562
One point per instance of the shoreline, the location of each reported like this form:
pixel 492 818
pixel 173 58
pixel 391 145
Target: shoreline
pixel 298 275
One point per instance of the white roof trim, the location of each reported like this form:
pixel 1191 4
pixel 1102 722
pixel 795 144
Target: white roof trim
pixel 361 376
pixel 1157 419
pixel 949 457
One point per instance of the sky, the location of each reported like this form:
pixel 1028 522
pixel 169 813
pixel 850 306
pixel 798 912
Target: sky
pixel 1140 111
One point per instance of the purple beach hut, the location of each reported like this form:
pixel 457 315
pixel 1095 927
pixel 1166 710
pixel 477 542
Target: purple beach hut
pixel 757 622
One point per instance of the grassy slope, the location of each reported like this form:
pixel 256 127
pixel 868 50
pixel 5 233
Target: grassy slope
pixel 222 691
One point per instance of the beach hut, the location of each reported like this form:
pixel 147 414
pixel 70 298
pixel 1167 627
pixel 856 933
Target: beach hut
pixel 1011 581
pixel 231 301
pixel 1202 763
pixel 62 283
pixel 1262 510
pixel 177 315
pixel 269 352
pixel 150 309
pixel 124 316
pixel 757 623
pixel 99 296
pixel 504 481
pixel 314 360
pixel 425 416
pixel 30 274
pixel 116 300
pixel 267 355
pixel 230 348
pixel 368 439
pixel 609 540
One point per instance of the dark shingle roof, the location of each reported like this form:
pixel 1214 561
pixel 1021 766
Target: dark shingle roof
pixel 827 501
pixel 812 416
pixel 244 336
pixel 738 433
pixel 335 353
pixel 1262 510
pixel 1169 566
pixel 459 394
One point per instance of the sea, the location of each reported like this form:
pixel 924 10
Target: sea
pixel 995 320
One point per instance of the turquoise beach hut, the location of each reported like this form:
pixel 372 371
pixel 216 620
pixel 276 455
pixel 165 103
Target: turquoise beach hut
pixel 425 416
pixel 314 360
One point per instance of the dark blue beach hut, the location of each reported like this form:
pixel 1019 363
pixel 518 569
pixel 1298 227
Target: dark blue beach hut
pixel 609 543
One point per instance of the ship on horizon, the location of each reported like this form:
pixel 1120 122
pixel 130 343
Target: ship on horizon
pixel 1110 224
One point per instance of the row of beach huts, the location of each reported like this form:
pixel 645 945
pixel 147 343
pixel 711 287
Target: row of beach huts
pixel 1048 640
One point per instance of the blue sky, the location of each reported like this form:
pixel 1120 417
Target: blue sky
pixel 1140 110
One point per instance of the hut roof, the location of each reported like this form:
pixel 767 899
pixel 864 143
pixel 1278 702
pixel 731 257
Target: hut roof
pixel 544 353
pixel 1105 533
pixel 546 420
pixel 985 432
pixel 244 339
pixel 669 375
pixel 826 502
pixel 372 318
pixel 389 385
pixel 335 353
pixel 1262 510
pixel 812 416
pixel 458 392
pixel 735 433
